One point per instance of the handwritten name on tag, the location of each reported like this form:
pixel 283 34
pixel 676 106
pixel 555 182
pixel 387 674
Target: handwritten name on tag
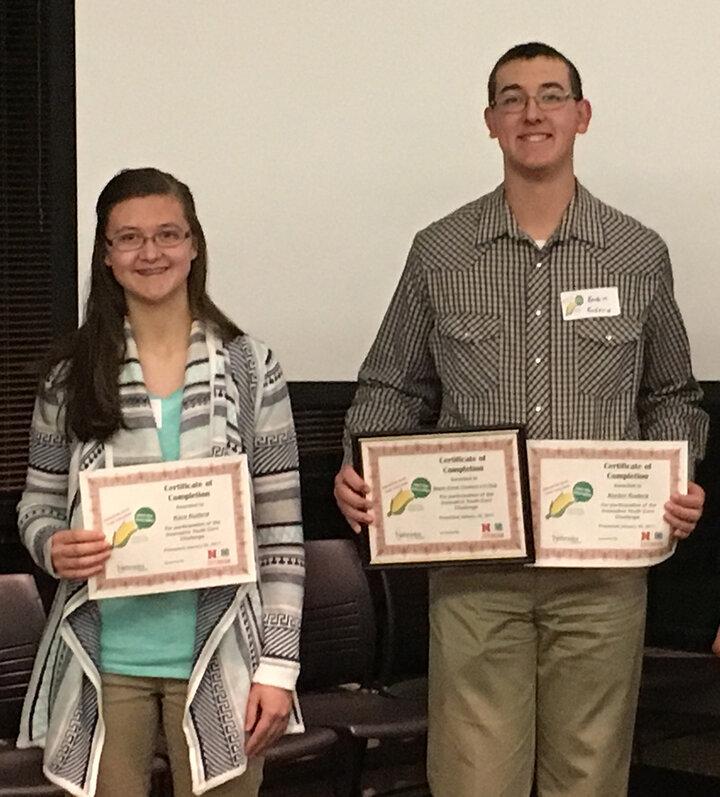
pixel 589 303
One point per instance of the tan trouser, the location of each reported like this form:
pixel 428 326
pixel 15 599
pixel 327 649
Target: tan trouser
pixel 533 672
pixel 131 709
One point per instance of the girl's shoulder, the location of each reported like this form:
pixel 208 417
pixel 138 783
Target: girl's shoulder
pixel 53 381
pixel 248 355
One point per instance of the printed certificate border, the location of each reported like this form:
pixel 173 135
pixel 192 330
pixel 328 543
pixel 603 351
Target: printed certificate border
pixel 602 449
pixel 241 572
pixel 508 439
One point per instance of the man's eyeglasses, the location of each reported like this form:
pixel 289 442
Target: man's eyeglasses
pixel 131 240
pixel 516 101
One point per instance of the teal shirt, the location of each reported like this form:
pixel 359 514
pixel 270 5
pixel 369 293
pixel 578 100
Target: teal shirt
pixel 152 635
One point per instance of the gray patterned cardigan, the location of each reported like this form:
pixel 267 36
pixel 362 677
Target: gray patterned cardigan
pixel 244 634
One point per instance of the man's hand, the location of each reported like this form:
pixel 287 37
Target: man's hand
pixel 351 494
pixel 266 717
pixel 79 553
pixel 682 512
pixel 716 644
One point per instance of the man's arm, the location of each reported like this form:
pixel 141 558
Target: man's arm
pixel 669 400
pixel 398 386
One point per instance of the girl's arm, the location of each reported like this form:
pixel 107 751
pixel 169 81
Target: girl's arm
pixel 42 512
pixel 278 521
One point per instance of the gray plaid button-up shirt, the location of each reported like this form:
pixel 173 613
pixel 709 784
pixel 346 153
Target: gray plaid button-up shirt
pixel 475 334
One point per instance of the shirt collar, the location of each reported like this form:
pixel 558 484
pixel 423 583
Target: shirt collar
pixel 580 221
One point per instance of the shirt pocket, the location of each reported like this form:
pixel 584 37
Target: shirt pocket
pixel 469 351
pixel 607 355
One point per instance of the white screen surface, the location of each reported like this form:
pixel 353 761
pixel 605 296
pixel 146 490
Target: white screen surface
pixel 319 135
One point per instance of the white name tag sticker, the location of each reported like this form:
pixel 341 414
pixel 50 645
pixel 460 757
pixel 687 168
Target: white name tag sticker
pixel 156 405
pixel 589 303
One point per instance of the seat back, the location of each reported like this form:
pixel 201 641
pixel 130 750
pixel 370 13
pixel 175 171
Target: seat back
pixel 22 620
pixel 406 632
pixel 337 643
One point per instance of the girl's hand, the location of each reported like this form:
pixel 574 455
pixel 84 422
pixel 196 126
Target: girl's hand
pixel 79 553
pixel 266 717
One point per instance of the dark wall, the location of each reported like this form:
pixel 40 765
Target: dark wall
pixel 684 596
pixel 319 409
pixel 684 591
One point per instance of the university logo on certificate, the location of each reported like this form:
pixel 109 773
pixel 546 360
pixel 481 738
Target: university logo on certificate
pixel 172 525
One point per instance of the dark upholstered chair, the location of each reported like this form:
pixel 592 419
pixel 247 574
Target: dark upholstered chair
pixel 679 697
pixel 22 619
pixel 21 622
pixel 338 660
pixel 404 665
pixel 301 764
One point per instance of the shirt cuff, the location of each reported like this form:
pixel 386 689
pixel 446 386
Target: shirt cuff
pixel 47 558
pixel 273 672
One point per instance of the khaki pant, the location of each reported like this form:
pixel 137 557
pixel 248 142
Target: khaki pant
pixel 534 672
pixel 131 708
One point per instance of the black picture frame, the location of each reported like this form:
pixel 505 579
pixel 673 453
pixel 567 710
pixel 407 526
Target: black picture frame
pixel 491 551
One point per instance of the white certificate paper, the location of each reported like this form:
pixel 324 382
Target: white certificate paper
pixel 600 503
pixel 172 525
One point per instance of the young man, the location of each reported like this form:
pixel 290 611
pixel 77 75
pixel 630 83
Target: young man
pixel 534 672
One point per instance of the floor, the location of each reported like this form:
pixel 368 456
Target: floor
pixel 644 782
pixel 684 767
pixel 655 782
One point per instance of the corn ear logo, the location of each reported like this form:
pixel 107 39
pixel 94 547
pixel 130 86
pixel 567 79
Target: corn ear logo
pixel 580 493
pixel 399 502
pixel 144 518
pixel 420 488
pixel 122 534
pixel 572 304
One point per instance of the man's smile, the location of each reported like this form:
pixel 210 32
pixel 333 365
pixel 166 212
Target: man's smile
pixel 535 137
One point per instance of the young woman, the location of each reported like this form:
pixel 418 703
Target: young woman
pixel 157 372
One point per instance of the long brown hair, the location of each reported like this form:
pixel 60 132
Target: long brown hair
pixel 90 358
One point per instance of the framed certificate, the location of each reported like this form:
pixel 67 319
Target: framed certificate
pixel 600 503
pixel 448 497
pixel 172 525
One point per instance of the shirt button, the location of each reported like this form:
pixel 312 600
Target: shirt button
pixel 538 312
pixel 608 337
pixel 538 265
pixel 538 408
pixel 538 360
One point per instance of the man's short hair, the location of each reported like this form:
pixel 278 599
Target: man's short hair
pixel 530 50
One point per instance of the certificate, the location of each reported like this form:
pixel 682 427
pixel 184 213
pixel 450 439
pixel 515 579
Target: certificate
pixel 172 525
pixel 600 503
pixel 447 497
